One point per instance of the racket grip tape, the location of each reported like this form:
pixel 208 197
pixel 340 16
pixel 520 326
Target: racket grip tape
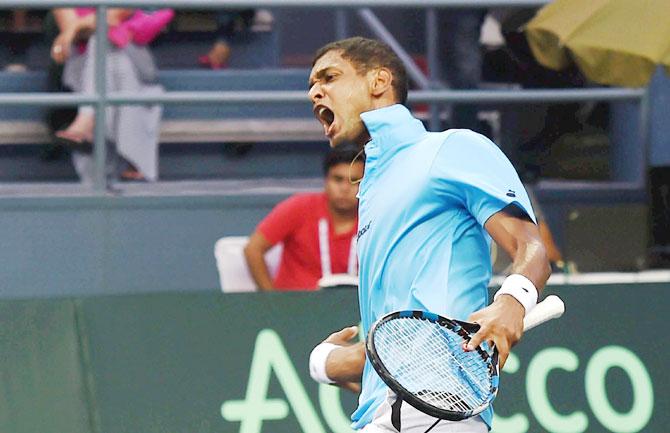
pixel 551 308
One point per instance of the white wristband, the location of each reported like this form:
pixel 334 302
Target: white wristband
pixel 521 288
pixel 317 362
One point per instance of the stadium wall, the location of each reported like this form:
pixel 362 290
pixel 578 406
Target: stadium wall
pixel 82 246
pixel 208 362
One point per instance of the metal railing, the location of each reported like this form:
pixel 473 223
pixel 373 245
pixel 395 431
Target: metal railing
pixel 218 4
pixel 101 99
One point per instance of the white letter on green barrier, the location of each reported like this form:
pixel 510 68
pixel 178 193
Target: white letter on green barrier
pixel 596 393
pixel 538 398
pixel 331 408
pixel 517 423
pixel 270 355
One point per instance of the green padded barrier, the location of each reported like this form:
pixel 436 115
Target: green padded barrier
pixel 41 376
pixel 211 363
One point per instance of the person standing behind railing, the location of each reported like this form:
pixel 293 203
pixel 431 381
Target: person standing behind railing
pixel 461 59
pixel 130 68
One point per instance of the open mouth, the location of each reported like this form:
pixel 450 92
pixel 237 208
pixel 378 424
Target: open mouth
pixel 325 116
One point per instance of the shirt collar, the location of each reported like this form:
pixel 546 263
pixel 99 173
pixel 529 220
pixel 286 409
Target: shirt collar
pixel 392 125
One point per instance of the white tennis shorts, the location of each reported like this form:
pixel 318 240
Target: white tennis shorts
pixel 414 421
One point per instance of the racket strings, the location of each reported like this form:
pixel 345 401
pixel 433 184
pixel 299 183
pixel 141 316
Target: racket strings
pixel 428 360
pixel 436 374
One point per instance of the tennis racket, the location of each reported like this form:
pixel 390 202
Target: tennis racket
pixel 420 356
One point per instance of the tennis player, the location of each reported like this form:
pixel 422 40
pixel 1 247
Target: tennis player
pixel 429 205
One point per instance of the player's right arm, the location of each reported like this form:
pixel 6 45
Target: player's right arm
pixel 473 172
pixel 254 253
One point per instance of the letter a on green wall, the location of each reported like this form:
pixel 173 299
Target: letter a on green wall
pixel 271 356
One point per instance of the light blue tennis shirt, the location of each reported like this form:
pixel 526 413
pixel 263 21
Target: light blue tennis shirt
pixel 424 200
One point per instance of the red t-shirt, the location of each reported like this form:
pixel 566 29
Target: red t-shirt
pixel 295 223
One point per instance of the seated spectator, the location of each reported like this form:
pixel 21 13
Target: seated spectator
pixel 130 68
pixel 318 230
pixel 229 23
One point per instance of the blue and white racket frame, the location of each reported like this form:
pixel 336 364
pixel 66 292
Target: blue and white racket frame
pixel 463 329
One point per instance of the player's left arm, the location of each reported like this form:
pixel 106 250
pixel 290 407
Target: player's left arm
pixel 502 322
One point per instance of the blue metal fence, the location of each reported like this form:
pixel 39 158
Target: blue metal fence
pixel 102 98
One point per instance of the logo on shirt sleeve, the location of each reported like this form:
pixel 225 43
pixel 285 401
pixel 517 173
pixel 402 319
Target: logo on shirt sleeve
pixel 511 193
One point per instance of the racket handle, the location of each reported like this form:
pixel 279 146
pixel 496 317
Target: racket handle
pixel 551 308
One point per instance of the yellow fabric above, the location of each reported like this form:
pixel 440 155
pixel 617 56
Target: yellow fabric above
pixel 616 42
